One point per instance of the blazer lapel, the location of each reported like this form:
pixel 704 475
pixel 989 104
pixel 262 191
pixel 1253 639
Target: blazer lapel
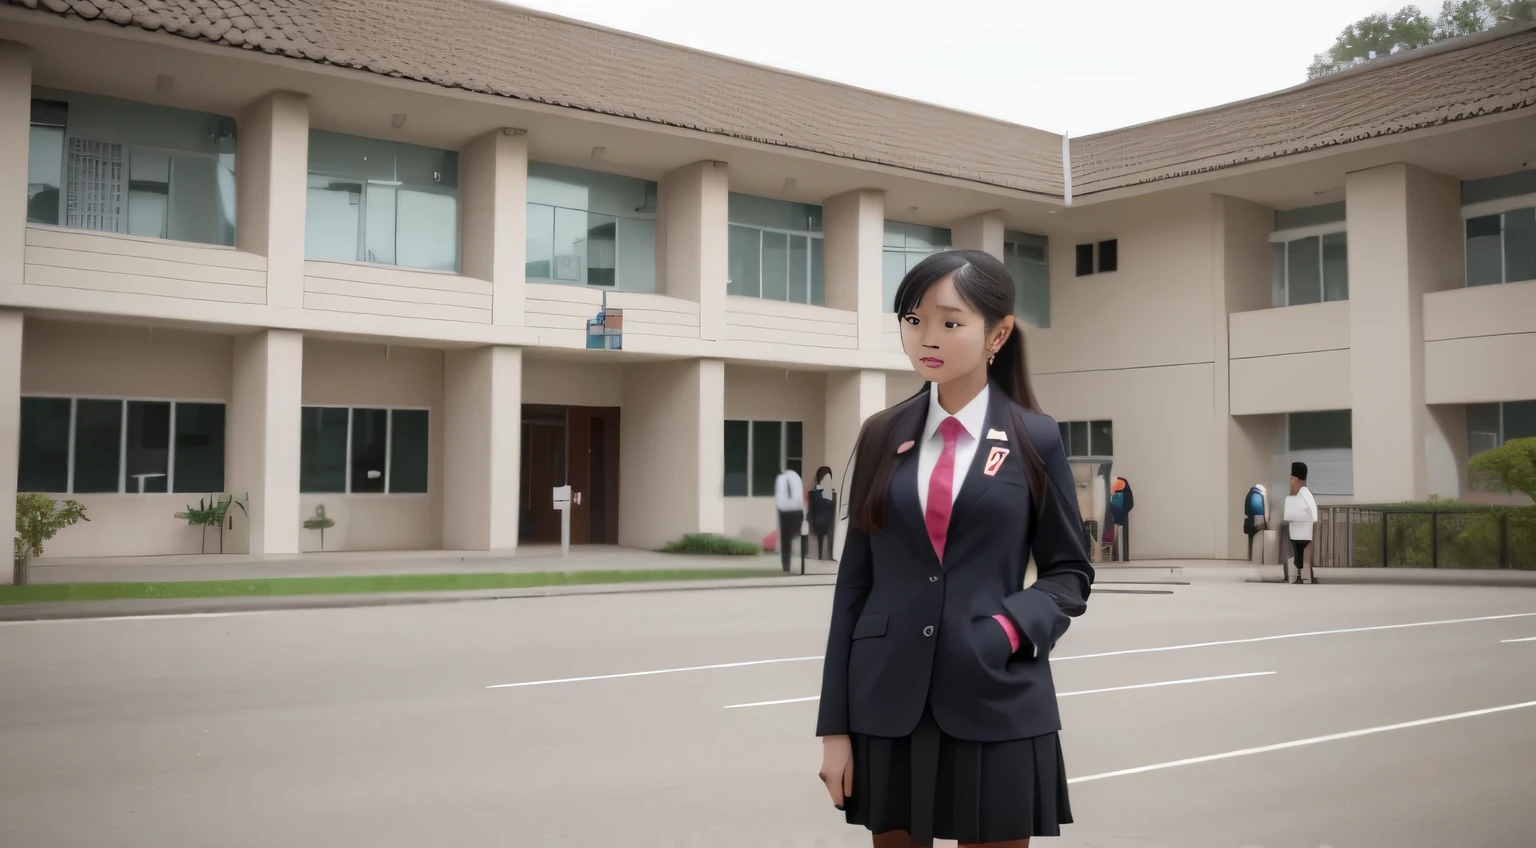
pixel 909 507
pixel 977 482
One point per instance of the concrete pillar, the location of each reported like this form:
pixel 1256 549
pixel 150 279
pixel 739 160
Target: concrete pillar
pixel 262 458
pixel 692 244
pixel 980 232
pixel 271 175
pixel 10 422
pixel 15 132
pixel 1405 241
pixel 1246 447
pixel 493 213
pixel 852 397
pixel 482 471
pixel 672 450
pixel 855 236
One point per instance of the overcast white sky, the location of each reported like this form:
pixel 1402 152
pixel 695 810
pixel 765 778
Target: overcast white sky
pixel 1052 65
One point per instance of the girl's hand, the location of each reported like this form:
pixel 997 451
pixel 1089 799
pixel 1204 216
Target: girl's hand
pixel 837 768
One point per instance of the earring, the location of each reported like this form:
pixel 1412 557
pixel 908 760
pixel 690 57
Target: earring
pixel 991 358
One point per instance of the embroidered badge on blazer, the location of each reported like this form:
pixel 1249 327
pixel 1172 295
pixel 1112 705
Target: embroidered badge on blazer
pixel 995 461
pixel 905 446
pixel 997 435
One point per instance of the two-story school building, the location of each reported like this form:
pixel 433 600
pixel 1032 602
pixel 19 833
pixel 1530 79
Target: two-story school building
pixel 419 263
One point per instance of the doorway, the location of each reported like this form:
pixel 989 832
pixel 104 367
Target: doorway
pixel 576 446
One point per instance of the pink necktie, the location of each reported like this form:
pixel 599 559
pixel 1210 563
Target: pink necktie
pixel 941 487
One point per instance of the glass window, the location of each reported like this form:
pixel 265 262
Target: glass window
pixel 117 446
pixel 1483 427
pixel 1084 260
pixel 371 200
pixel 44 445
pixel 1079 439
pixel 1520 245
pixel 1101 438
pixel 905 246
pixel 370 442
pixel 323 449
pixel 98 446
pixel 1336 266
pixel 1313 269
pixel 776 250
pixel 1310 216
pixel 736 453
pixel 590 228
pixel 1485 250
pixel 1498 188
pixel 1087 438
pixel 1026 257
pixel 199 448
pixel 794 446
pixel 1109 256
pixel 148 464
pixel 1321 430
pixel 1303 271
pixel 408 434
pixel 100 163
pixel 767 442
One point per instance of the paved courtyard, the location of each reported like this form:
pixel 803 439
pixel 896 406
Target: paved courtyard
pixel 1215 714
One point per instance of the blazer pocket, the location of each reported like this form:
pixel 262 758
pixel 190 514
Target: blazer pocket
pixel 870 625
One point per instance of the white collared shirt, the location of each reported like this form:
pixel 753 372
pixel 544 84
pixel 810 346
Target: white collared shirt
pixel 789 492
pixel 973 417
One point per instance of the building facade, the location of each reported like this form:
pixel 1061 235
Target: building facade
pixel 312 261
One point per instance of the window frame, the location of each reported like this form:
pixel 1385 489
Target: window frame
pixel 1319 232
pixel 905 251
pixel 1487 209
pixel 1291 453
pixel 784 457
pixel 389 444
pixel 122 437
pixel 1066 443
pixel 1090 256
pixel 810 263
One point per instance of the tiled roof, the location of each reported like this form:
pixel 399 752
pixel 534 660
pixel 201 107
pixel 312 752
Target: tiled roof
pixel 496 49
pixel 1450 81
pixel 486 47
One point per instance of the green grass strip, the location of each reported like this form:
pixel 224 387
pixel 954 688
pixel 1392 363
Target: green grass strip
pixel 358 585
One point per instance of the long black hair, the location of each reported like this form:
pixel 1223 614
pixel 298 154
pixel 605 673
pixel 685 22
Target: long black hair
pixel 985 284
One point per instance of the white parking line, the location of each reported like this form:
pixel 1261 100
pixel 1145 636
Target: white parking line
pixel 1526 639
pixel 1053 659
pixel 649 673
pixel 1315 740
pixel 1058 694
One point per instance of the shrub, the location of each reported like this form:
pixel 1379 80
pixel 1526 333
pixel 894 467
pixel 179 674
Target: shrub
pixel 1513 463
pixel 38 519
pixel 713 544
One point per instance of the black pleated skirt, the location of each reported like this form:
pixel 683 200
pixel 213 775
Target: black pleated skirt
pixel 937 787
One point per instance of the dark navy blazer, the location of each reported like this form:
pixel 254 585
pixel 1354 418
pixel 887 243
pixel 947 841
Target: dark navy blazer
pixel 908 632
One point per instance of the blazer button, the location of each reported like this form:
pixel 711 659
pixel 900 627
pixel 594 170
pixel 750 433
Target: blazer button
pixel 928 631
pixel 934 579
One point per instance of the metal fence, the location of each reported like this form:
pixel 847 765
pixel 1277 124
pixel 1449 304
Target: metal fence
pixel 1374 537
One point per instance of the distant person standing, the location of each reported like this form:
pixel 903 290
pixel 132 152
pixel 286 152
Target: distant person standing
pixel 789 497
pixel 823 506
pixel 1301 513
pixel 1121 502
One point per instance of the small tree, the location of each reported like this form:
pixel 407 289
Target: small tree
pixel 38 519
pixel 320 522
pixel 1513 462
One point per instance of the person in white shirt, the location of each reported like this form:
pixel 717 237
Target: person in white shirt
pixel 789 498
pixel 1301 512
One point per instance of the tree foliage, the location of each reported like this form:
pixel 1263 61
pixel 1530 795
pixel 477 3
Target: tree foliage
pixel 1375 36
pixel 1514 463
pixel 38 519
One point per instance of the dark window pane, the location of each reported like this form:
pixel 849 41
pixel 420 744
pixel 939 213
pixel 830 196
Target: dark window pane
pixel 323 450
pixel 369 438
pixel 1485 246
pixel 1482 427
pixel 199 448
pixel 1304 271
pixel 1084 260
pixel 799 269
pixel 1066 436
pixel 736 458
pixel 818 272
pixel 793 450
pixel 408 451
pixel 44 459
pixel 98 445
pixel 1520 420
pixel 1079 439
pixel 1520 245
pixel 1102 438
pixel 766 462
pixel 149 446
pixel 775 266
pixel 1109 256
pixel 1336 266
pixel 1321 430
pixel 744 260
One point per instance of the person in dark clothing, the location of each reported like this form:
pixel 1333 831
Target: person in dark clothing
pixel 1121 502
pixel 823 512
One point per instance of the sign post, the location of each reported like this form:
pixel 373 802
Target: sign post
pixel 563 505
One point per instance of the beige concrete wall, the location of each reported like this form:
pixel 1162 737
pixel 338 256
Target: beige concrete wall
pixel 671 452
pixel 1166 457
pixel 854 223
pixel 15 130
pixel 11 343
pixel 692 229
pixel 481 481
pixel 851 398
pixel 271 169
pixel 762 394
pixel 261 430
pixel 1405 234
pixel 1290 329
pixel 340 373
pixel 564 383
pixel 1255 454
pixel 983 231
pixel 493 206
pixel 1476 339
pixel 1298 382
pixel 138 363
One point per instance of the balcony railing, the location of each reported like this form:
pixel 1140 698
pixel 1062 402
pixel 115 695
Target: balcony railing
pixel 1388 537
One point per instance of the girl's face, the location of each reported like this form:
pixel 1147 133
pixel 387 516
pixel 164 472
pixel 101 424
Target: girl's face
pixel 945 338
